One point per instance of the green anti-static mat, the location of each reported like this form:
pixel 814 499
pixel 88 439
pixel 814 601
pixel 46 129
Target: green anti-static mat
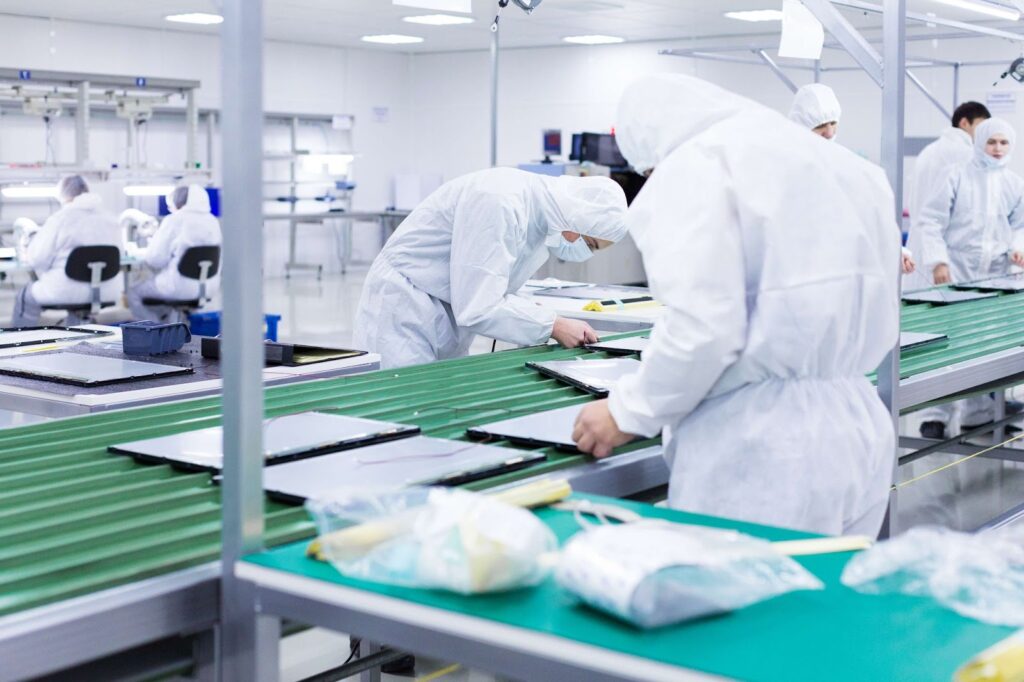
pixel 834 635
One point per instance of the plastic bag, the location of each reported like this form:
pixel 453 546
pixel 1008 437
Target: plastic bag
pixel 978 575
pixel 435 538
pixel 654 573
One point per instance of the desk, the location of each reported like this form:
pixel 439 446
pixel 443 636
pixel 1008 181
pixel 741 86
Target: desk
pixel 540 634
pixel 388 221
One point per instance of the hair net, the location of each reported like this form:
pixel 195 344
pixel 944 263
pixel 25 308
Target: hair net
pixel 179 196
pixel 594 206
pixel 985 130
pixel 659 113
pixel 71 186
pixel 815 105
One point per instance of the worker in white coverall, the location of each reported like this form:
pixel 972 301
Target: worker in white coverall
pixel 971 227
pixel 776 255
pixel 816 106
pixel 189 224
pixel 81 221
pixel 952 149
pixel 453 268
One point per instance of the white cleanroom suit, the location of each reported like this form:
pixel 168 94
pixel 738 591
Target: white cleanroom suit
pixel 777 256
pixel 453 267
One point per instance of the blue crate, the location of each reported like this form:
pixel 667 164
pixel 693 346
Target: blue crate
pixel 153 338
pixel 208 324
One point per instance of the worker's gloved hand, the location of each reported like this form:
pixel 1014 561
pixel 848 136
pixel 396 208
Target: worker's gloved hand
pixel 908 264
pixel 573 333
pixel 596 432
pixel 1018 258
pixel 941 274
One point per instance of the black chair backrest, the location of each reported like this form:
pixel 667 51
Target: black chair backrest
pixel 188 266
pixel 77 267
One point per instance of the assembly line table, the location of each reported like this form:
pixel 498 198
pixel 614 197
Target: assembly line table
pixel 540 634
pixel 57 400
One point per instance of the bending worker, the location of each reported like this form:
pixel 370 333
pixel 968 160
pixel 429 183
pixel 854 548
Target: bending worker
pixel 81 221
pixel 453 267
pixel 190 224
pixel 776 258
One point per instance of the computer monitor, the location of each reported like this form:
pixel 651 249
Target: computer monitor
pixel 598 148
pixel 552 144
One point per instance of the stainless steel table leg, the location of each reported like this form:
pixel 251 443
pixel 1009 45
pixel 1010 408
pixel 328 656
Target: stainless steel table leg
pixel 367 648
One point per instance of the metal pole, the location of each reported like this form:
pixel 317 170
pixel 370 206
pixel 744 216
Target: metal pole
pixel 956 85
pixel 191 129
pixel 894 27
pixel 82 125
pixel 494 95
pixel 770 63
pixel 817 70
pixel 928 93
pixel 211 119
pixel 242 153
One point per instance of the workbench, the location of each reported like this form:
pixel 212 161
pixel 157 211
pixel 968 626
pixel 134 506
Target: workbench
pixel 51 399
pixel 541 634
pixel 138 552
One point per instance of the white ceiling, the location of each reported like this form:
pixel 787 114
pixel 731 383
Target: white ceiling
pixel 343 22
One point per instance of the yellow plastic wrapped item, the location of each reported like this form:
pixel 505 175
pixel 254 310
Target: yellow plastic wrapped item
pixel 1003 662
pixel 433 538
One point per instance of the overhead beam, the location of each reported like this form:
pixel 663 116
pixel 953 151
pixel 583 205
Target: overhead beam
pixel 928 94
pixel 842 30
pixel 776 70
pixel 937 21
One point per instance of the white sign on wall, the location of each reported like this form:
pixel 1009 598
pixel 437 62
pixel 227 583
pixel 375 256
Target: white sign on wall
pixel 1001 101
pixel 381 114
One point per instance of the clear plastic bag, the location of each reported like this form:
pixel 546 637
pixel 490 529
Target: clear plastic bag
pixel 978 575
pixel 435 538
pixel 653 573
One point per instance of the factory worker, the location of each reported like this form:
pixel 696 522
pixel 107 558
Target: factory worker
pixel 816 106
pixel 189 224
pixel 453 267
pixel 81 221
pixel 972 227
pixel 953 148
pixel 775 256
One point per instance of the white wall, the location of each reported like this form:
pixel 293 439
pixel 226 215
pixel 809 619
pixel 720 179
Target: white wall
pixel 298 78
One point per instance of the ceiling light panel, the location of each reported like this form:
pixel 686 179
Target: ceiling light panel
pixel 392 39
pixel 986 8
pixel 756 15
pixel 201 18
pixel 439 20
pixel 593 40
pixel 463 6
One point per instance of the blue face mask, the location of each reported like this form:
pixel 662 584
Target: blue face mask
pixel 572 252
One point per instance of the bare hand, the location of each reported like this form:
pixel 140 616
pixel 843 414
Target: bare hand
pixel 573 333
pixel 908 265
pixel 941 274
pixel 596 432
pixel 1018 258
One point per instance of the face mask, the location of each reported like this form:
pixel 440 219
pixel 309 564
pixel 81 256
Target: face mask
pixel 573 252
pixel 992 162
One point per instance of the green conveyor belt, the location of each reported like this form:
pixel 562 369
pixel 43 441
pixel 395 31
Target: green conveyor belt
pixel 75 519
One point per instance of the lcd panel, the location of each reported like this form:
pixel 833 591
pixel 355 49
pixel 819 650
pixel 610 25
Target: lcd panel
pixel 634 344
pixel 85 370
pixel 945 296
pixel 593 376
pixel 909 340
pixel 13 337
pixel 540 429
pixel 286 438
pixel 410 461
pixel 1009 284
pixel 597 292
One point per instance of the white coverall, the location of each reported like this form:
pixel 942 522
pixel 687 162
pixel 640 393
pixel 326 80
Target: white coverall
pixel 971 222
pixel 776 254
pixel 815 105
pixel 81 222
pixel 190 225
pixel 453 267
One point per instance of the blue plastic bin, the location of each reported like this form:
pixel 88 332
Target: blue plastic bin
pixel 153 338
pixel 208 324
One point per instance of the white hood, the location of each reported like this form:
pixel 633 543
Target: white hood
pixel 815 105
pixel 594 206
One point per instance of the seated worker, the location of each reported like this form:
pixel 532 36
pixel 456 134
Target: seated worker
pixel 189 224
pixel 776 257
pixel 453 267
pixel 81 221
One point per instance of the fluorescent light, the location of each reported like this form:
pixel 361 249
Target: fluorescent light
pixel 987 8
pixel 30 192
pixel 439 20
pixel 756 15
pixel 392 39
pixel 593 40
pixel 463 6
pixel 201 18
pixel 148 190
